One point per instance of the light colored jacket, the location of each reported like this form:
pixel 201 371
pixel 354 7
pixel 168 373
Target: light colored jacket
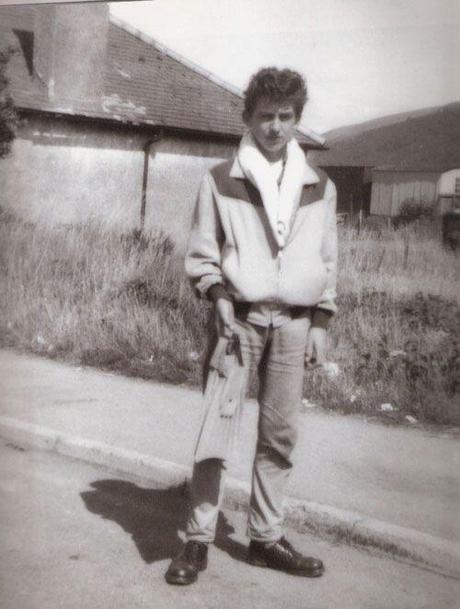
pixel 231 242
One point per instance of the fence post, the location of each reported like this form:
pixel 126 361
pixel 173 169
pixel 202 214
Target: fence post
pixel 406 253
pixel 379 263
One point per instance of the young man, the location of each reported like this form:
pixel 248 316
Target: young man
pixel 263 248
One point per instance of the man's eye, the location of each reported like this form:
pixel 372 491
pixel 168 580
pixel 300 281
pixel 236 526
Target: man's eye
pixel 286 117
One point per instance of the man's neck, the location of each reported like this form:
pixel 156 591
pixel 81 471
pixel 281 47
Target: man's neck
pixel 275 156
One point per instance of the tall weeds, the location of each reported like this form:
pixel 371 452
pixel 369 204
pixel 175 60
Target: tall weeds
pixel 95 296
pixel 99 297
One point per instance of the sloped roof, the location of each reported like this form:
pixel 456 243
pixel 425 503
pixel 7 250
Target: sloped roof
pixel 145 83
pixel 423 140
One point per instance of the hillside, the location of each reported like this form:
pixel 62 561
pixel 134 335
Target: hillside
pixel 426 139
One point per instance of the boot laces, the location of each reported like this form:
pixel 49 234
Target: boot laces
pixel 287 546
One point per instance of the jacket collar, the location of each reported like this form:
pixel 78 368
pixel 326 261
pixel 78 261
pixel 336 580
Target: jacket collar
pixel 310 176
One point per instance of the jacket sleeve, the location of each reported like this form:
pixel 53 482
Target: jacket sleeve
pixel 203 256
pixel 329 250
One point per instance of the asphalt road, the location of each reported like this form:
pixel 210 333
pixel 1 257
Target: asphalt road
pixel 403 476
pixel 74 535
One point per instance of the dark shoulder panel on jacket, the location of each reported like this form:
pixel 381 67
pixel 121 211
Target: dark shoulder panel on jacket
pixel 221 172
pixel 235 188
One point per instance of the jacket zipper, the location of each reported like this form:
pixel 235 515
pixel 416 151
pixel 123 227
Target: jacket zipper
pixel 279 259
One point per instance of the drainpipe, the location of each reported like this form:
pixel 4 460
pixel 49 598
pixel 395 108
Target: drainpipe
pixel 145 176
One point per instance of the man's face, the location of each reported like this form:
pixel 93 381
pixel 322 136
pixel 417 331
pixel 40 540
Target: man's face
pixel 272 125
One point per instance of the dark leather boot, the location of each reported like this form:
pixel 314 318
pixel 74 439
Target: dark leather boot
pixel 283 557
pixel 185 567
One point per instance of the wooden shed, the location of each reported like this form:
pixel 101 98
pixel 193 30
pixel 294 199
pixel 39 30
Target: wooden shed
pixel 392 187
pixel 412 156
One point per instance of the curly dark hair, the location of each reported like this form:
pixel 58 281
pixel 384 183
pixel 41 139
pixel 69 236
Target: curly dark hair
pixel 276 85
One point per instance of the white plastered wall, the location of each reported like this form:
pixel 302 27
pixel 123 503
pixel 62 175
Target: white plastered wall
pixel 176 169
pixel 66 171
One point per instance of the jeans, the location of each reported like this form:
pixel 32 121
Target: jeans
pixel 278 355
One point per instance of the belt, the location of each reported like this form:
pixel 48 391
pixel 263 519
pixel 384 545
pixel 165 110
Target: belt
pixel 242 310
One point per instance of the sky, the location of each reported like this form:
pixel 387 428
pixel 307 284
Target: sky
pixel 362 58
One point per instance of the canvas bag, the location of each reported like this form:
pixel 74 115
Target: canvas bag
pixel 222 401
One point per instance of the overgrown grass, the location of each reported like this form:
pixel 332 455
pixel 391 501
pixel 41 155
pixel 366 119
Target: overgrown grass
pixel 91 295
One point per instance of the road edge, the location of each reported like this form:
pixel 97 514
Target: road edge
pixel 341 525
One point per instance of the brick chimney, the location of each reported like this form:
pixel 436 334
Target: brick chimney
pixel 70 48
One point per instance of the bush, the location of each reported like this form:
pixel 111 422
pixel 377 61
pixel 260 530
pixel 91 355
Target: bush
pixel 412 210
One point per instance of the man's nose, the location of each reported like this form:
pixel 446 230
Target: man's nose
pixel 275 126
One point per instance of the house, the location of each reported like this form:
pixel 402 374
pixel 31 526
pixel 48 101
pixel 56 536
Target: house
pixel 116 126
pixel 380 164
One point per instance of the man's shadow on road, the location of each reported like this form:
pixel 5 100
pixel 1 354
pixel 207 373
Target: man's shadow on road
pixel 152 517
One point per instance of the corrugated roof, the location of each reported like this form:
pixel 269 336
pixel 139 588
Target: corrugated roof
pixel 423 140
pixel 145 83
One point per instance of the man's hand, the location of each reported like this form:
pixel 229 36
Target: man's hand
pixel 316 346
pixel 225 317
